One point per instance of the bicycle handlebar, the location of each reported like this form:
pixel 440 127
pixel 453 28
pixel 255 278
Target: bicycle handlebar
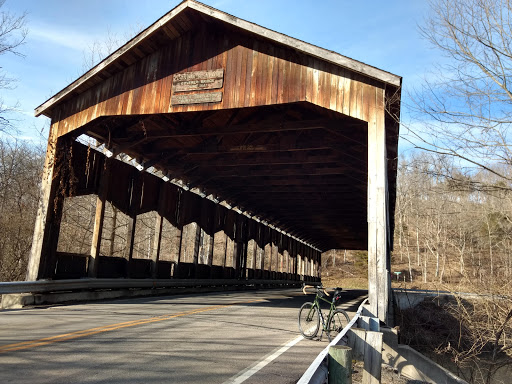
pixel 314 286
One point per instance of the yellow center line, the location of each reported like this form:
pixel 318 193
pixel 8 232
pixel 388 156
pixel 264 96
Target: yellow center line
pixel 108 328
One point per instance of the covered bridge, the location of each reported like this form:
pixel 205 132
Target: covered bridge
pixel 258 149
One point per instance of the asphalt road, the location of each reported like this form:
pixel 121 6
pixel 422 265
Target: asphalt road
pixel 231 337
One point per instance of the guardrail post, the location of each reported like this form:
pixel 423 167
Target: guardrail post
pixel 372 358
pixel 356 339
pixel 340 365
pixel 369 323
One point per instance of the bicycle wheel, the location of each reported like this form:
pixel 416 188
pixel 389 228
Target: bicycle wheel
pixel 309 320
pixel 338 320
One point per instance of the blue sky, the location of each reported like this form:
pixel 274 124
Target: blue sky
pixel 380 33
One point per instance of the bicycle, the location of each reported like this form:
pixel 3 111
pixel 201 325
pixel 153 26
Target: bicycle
pixel 310 314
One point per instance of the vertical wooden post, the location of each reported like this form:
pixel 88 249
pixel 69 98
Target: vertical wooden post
pixel 286 256
pixel 229 229
pixel 162 196
pixel 269 251
pixel 136 193
pixel 310 261
pixel 315 264
pixel 340 365
pixel 226 244
pixel 252 246
pixel 298 264
pixel 378 273
pixel 267 263
pixel 197 242
pixel 244 243
pixel 280 251
pixel 191 232
pixel 356 339
pixel 206 236
pixel 47 222
pixel 372 358
pixel 319 264
pixel 302 259
pixel 211 233
pixel 219 250
pixel 293 250
pixel 195 209
pixel 101 200
pixel 178 220
pixel 259 251
pixel 237 245
pixel 275 252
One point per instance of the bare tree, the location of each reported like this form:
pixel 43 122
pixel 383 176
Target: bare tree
pixel 465 107
pixel 13 32
pixel 101 48
pixel 20 175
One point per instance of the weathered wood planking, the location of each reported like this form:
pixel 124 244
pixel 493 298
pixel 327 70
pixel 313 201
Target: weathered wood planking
pixel 256 73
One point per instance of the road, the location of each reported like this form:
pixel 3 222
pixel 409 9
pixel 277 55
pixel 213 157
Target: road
pixel 229 337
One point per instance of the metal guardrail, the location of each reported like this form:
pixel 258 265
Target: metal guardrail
pixel 45 286
pixel 317 372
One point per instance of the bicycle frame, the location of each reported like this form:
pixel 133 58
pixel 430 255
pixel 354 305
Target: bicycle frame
pixel 332 308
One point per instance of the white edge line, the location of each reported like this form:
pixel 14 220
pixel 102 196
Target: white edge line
pixel 247 373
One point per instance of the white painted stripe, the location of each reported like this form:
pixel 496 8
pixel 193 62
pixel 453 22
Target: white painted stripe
pixel 248 372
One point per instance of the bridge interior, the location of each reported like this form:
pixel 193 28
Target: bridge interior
pixel 300 167
pixel 280 148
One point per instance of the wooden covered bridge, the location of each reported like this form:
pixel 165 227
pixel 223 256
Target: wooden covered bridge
pixel 258 150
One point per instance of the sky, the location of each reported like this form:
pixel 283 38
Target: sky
pixel 383 34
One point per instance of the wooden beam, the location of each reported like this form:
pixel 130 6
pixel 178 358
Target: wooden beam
pixel 378 250
pixel 238 253
pixel 45 228
pixel 188 130
pixel 158 230
pixel 136 193
pixel 92 266
pixel 219 250
pixel 271 158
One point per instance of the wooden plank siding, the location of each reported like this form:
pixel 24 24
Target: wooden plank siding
pixel 256 74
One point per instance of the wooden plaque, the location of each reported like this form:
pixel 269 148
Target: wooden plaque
pixel 196 98
pixel 198 80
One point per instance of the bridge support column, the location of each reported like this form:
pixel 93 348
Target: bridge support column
pixel 206 235
pixel 267 259
pixel 260 250
pixel 155 256
pixel 136 188
pixel 378 228
pixel 295 259
pixel 41 263
pixel 219 239
pixel 101 200
pixel 238 244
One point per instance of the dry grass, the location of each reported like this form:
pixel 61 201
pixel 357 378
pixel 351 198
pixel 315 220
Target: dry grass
pixel 348 271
